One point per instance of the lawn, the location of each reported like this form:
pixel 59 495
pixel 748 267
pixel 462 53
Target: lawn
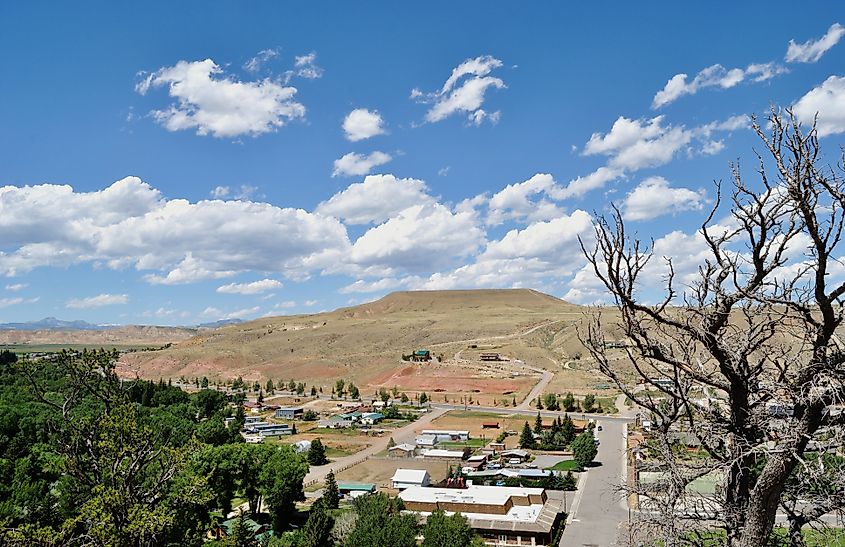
pixel 350 431
pixel 565 465
pixel 830 537
pixel 471 443
pixel 332 452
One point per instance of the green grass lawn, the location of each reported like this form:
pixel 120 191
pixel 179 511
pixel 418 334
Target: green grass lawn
pixel 471 443
pixel 608 404
pixel 351 431
pixel 831 537
pixel 565 465
pixel 337 452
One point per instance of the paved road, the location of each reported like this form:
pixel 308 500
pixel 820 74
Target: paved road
pixel 598 514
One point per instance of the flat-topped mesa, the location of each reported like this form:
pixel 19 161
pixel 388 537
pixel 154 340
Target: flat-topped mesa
pixel 433 301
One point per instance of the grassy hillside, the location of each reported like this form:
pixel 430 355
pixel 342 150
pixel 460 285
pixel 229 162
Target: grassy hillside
pixel 365 343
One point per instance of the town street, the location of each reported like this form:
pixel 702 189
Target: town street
pixel 597 514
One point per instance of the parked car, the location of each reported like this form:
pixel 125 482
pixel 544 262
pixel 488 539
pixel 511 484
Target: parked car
pixel 598 428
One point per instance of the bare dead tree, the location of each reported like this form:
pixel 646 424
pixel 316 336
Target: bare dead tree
pixel 748 347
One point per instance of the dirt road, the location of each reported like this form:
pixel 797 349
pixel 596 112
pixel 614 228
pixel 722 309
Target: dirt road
pixel 403 434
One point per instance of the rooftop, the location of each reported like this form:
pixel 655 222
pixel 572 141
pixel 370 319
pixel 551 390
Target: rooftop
pixel 404 446
pixel 410 475
pixel 482 495
pixel 356 486
pixel 438 453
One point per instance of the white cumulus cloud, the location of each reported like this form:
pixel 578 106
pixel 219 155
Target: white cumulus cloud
pixel 812 50
pixel 375 200
pixel 97 301
pixel 654 197
pixel 254 287
pixel 419 238
pixel 464 92
pixel 714 76
pixel 354 164
pixel 362 124
pixel 130 224
pixel 517 201
pixel 218 105
pixel 306 66
pixel 826 100
pixel 635 144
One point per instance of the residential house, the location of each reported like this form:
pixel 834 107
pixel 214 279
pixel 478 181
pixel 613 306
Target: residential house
pixel 371 418
pixel 447 434
pixel 516 453
pixel 289 413
pixel 427 441
pixel 402 450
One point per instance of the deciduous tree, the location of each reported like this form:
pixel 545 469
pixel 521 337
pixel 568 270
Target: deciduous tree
pixel 754 330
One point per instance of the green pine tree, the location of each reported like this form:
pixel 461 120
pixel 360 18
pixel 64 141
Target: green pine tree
pixel 331 494
pixel 526 439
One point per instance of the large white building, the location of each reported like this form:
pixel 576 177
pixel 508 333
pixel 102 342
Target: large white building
pixel 446 434
pixel 406 478
pixel 501 515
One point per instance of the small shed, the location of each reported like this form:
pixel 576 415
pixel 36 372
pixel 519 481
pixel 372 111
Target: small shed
pixel 406 478
pixel 490 425
pixel 491 357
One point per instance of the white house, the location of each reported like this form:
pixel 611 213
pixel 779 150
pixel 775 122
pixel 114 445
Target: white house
pixel 402 450
pixel 453 435
pixel 426 440
pixel 406 478
pixel 371 418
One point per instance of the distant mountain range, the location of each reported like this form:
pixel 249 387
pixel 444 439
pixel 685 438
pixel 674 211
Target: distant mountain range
pixel 220 323
pixel 51 323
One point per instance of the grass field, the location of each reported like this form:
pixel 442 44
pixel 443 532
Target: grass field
pixel 471 443
pixel 364 345
pixel 565 465
pixel 830 537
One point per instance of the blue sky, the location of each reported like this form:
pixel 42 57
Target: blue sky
pixel 175 163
